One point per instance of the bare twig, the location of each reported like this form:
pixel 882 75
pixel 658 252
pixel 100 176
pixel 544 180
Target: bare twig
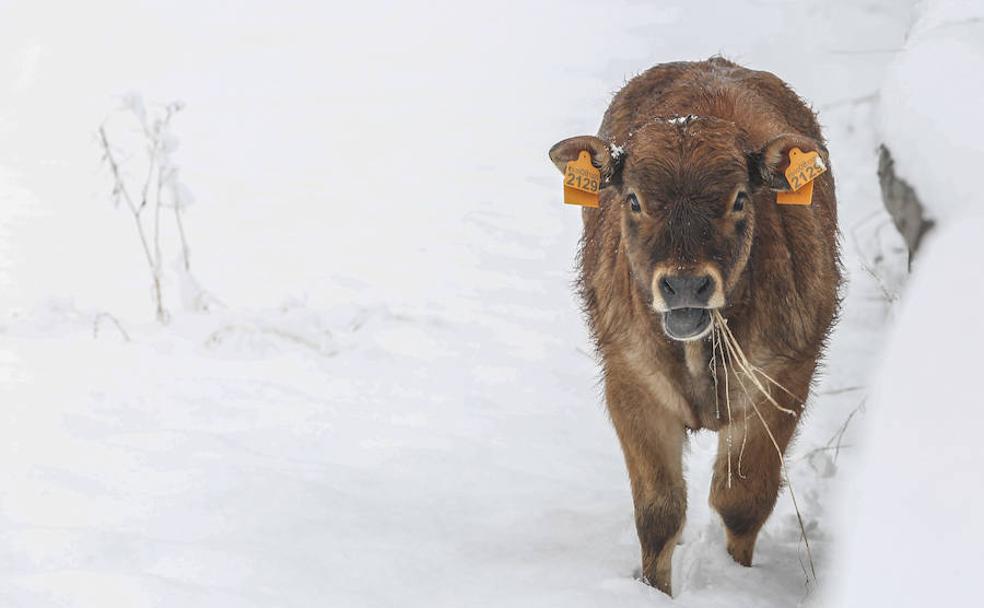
pixel 890 296
pixel 826 448
pixel 155 135
pixel 160 175
pixel 105 315
pixel 120 191
pixel 839 435
pixel 185 250
pixel 841 390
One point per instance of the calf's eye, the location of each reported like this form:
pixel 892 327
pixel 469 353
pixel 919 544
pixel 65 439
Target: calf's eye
pixel 634 203
pixel 740 201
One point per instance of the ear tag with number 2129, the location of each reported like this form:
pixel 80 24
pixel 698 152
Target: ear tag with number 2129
pixel 581 181
pixel 804 167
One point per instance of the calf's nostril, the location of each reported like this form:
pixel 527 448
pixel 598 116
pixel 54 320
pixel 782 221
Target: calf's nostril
pixel 665 284
pixel 704 286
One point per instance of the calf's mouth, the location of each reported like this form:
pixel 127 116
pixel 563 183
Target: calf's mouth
pixel 685 324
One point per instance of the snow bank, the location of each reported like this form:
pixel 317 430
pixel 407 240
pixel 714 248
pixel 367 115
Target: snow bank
pixel 930 107
pixel 914 531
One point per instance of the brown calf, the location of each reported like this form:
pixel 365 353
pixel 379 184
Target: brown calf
pixel 691 156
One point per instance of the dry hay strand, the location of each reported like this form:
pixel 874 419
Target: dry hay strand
pixel 750 370
pixel 716 347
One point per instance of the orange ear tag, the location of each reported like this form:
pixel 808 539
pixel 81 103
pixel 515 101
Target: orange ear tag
pixel 581 181
pixel 803 196
pixel 804 167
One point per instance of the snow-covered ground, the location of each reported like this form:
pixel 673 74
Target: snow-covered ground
pixel 912 520
pixel 912 531
pixel 929 111
pixel 396 404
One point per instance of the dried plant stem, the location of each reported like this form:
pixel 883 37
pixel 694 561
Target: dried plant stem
pixel 725 356
pixel 750 370
pixel 842 390
pixel 185 251
pixel 744 442
pixel 105 315
pixel 154 134
pixel 775 383
pixel 120 191
pixel 158 262
pixel 158 173
pixel 714 373
pixel 716 344
pixel 836 442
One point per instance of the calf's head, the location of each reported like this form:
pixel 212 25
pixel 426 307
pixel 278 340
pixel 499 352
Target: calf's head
pixel 686 188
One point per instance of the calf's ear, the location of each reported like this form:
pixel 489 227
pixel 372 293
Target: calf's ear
pixel 767 167
pixel 601 155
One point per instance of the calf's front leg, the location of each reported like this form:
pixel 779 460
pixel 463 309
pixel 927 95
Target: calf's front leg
pixel 652 442
pixel 746 495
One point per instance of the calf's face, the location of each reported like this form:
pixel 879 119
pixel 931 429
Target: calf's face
pixel 685 189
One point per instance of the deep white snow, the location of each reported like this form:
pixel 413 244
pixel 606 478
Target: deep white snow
pixel 930 108
pixel 912 514
pixel 395 404
pixel 911 526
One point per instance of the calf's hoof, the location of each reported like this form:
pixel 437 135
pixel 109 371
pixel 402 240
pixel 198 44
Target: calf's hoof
pixel 660 580
pixel 741 548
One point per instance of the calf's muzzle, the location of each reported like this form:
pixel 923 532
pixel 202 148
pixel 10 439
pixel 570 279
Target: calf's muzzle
pixel 686 291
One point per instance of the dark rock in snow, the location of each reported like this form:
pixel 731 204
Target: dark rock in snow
pixel 901 202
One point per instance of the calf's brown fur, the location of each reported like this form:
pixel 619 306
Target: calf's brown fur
pixel 691 156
